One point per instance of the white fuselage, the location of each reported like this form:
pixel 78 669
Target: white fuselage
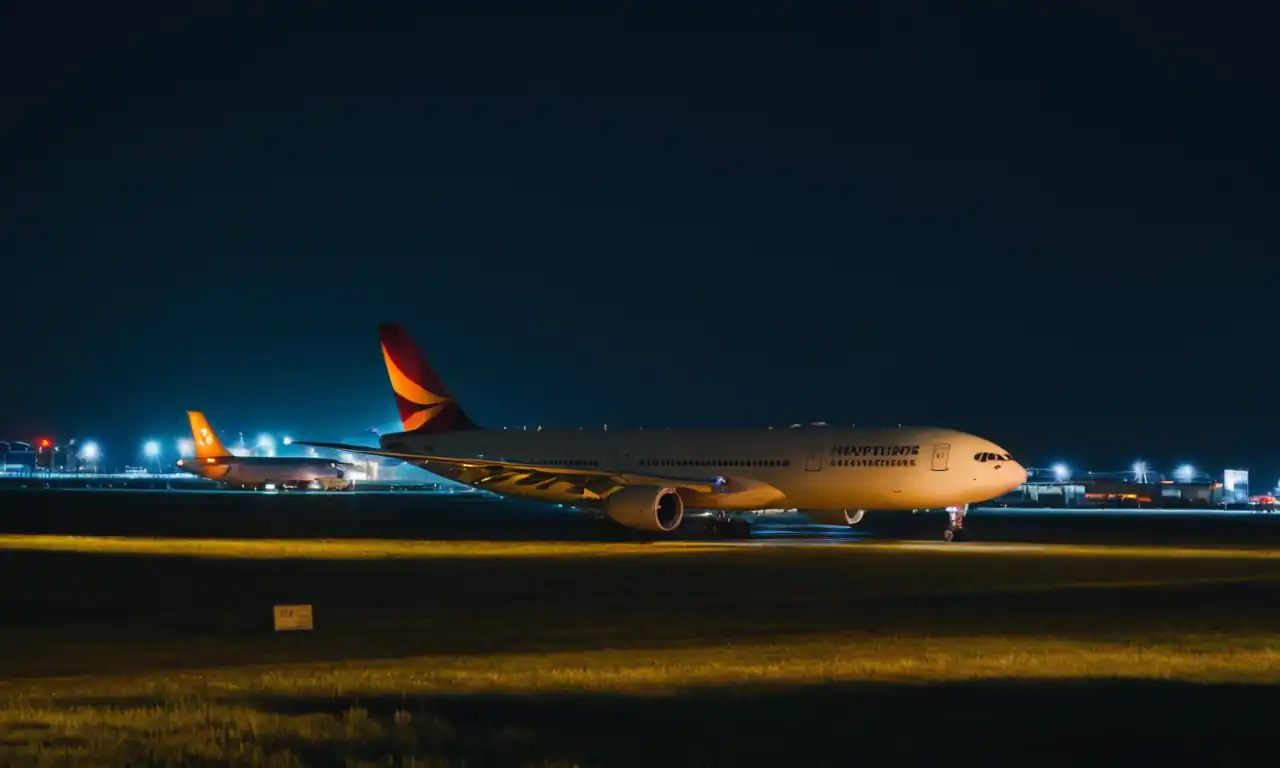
pixel 263 470
pixel 819 468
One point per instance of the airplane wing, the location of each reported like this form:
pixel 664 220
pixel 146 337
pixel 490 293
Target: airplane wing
pixel 698 485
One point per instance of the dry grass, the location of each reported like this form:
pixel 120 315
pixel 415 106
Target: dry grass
pixel 304 713
pixel 847 658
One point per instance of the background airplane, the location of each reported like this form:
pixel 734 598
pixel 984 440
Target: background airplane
pixel 213 461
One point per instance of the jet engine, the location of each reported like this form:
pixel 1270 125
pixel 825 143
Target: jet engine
pixel 646 508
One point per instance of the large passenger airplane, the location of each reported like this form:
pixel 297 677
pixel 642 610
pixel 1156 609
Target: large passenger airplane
pixel 646 478
pixel 215 462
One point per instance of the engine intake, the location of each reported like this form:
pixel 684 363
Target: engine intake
pixel 646 508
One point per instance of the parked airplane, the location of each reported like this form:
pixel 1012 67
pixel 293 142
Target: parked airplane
pixel 215 462
pixel 645 479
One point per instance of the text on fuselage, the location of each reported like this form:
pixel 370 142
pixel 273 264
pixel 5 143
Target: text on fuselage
pixel 875 450
pixel 874 455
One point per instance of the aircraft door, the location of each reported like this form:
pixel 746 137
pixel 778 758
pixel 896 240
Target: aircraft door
pixel 941 453
pixel 813 459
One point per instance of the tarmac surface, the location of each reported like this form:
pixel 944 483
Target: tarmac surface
pixel 445 516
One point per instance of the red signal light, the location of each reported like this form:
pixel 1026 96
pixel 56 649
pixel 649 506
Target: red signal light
pixel 44 443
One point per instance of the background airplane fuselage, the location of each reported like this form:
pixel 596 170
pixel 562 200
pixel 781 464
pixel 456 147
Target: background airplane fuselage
pixel 804 467
pixel 262 470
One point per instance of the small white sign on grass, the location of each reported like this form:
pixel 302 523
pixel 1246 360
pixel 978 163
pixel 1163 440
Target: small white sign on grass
pixel 293 617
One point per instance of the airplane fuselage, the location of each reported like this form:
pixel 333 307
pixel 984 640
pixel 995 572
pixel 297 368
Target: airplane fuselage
pixel 264 470
pixel 808 468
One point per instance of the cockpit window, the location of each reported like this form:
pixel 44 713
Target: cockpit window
pixel 992 457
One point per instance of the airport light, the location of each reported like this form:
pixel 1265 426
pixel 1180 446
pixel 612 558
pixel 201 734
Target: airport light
pixel 90 451
pixel 1140 471
pixel 287 440
pixel 1185 473
pixel 1061 472
pixel 267 445
pixel 151 449
pixel 186 447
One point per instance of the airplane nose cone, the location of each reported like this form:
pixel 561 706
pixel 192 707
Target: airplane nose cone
pixel 1019 474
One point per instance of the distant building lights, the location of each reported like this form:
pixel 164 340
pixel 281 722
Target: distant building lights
pixel 1140 471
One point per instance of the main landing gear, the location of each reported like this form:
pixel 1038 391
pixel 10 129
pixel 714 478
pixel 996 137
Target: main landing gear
pixel 721 524
pixel 955 522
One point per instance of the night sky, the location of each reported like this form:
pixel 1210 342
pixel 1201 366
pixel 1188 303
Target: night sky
pixel 1051 224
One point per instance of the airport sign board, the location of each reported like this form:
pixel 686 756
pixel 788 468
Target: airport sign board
pixel 290 618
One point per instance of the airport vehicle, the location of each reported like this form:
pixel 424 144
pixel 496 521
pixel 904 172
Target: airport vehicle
pixel 646 479
pixel 214 461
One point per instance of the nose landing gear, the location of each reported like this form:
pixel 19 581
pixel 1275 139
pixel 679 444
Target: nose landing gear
pixel 955 522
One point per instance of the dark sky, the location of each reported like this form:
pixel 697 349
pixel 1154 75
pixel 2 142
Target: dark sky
pixel 1052 224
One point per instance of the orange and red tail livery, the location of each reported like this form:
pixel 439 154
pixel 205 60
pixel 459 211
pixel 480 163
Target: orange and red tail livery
pixel 206 440
pixel 425 405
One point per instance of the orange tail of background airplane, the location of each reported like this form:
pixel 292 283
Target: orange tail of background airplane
pixel 207 443
pixel 424 403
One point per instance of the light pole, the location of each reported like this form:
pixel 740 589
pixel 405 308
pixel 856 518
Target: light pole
pixel 152 450
pixel 1140 472
pixel 91 454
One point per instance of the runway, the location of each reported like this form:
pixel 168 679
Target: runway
pixel 477 517
pixel 384 549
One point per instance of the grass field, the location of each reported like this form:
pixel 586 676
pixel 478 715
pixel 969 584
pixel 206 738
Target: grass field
pixel 542 653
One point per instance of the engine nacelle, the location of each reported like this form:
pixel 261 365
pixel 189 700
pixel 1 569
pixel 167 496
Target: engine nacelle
pixel 646 508
pixel 835 516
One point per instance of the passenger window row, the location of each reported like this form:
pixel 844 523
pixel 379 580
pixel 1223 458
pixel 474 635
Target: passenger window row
pixel 992 457
pixel 715 462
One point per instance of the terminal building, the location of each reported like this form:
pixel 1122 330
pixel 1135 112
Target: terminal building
pixel 1112 490
pixel 17 457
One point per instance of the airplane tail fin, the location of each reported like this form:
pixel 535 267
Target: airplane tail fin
pixel 207 443
pixel 424 403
